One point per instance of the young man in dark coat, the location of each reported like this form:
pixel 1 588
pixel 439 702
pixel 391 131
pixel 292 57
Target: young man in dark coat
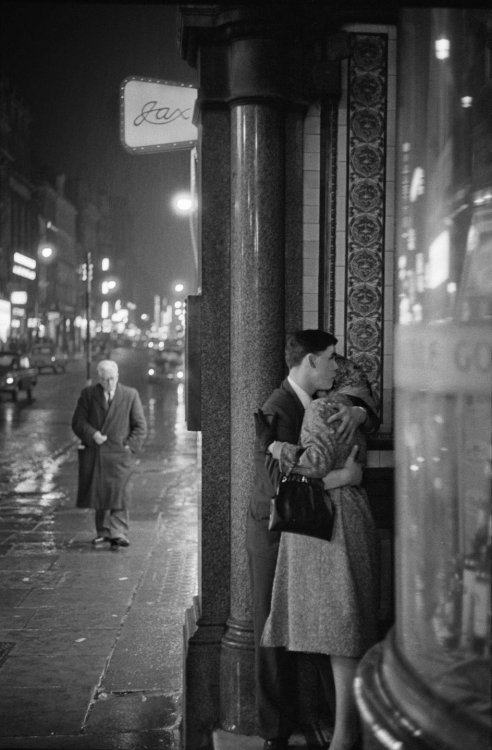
pixel 311 361
pixel 110 423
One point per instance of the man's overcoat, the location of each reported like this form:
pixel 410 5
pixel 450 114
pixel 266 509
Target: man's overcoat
pixel 104 470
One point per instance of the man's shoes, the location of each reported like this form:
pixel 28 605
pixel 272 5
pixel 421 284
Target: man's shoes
pixel 100 540
pixel 119 542
pixel 276 743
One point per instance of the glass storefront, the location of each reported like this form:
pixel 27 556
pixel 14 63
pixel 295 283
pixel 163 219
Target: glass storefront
pixel 436 663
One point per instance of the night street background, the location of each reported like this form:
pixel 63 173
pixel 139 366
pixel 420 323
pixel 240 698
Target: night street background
pixel 68 61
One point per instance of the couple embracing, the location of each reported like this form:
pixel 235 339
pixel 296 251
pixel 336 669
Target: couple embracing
pixel 313 599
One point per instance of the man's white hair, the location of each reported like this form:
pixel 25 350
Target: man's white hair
pixel 107 365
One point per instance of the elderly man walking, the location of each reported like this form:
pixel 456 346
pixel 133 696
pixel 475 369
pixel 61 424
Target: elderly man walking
pixel 110 423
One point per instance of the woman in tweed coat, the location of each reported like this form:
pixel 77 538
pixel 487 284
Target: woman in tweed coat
pixel 325 593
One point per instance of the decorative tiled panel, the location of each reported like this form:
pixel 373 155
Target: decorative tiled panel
pixel 361 303
pixel 365 205
pixel 311 227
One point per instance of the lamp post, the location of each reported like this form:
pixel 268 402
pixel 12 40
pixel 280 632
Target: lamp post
pixel 86 270
pixel 46 255
pixel 88 311
pixel 185 204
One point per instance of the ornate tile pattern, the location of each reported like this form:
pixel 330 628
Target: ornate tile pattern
pixel 364 295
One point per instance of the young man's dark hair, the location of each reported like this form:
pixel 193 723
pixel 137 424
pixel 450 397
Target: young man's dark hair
pixel 310 341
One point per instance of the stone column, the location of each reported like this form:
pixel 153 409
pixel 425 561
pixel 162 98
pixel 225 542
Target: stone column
pixel 206 620
pixel 251 218
pixel 257 342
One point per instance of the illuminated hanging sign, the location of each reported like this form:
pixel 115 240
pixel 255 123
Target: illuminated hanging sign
pixel 18 298
pixel 24 260
pixel 25 272
pixel 156 115
pixel 24 266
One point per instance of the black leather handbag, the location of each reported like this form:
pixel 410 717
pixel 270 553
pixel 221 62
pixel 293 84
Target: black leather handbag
pixel 302 506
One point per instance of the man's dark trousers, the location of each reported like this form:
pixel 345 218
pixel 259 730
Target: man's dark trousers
pixel 275 668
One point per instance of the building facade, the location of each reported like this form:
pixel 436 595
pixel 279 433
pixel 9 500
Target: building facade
pixel 18 221
pixel 300 180
pixel 48 226
pixel 58 268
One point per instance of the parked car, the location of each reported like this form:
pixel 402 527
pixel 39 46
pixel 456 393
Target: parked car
pixel 45 356
pixel 17 374
pixel 166 367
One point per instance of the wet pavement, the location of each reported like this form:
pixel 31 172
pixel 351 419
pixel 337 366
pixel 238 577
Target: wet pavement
pixel 91 640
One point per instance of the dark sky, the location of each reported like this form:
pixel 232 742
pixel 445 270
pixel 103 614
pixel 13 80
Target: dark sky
pixel 68 60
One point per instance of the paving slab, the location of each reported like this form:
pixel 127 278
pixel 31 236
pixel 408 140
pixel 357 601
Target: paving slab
pixel 36 671
pixel 157 739
pixel 61 642
pixel 126 712
pixel 50 711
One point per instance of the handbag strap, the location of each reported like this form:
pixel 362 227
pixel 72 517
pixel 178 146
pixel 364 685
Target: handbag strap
pixel 290 470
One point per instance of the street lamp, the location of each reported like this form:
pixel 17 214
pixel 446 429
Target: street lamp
pixel 46 255
pixel 185 204
pixel 46 252
pixel 108 286
pixel 182 203
pixel 86 271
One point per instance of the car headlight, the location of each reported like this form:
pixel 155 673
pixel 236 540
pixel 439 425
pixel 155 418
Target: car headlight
pixel 151 371
pixel 9 380
pixel 180 375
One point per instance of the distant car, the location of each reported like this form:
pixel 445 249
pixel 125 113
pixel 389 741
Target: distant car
pixel 46 356
pixel 17 374
pixel 166 367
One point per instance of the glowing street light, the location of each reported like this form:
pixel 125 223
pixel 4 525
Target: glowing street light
pixel 182 203
pixel 108 286
pixel 46 252
pixel 186 204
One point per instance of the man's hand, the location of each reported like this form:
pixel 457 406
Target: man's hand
pixel 266 431
pixel 353 469
pixel 349 474
pixel 99 438
pixel 350 418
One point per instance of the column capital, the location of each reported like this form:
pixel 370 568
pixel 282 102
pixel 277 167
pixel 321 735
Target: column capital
pixel 246 53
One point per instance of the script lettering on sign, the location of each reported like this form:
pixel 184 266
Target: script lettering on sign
pixel 156 115
pixel 147 105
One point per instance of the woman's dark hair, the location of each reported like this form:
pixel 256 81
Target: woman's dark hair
pixel 310 341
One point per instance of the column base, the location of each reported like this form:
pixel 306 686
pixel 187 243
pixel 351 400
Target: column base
pixel 201 692
pixel 399 712
pixel 237 678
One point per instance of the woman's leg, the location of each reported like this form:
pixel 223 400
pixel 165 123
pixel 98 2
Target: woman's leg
pixel 347 726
